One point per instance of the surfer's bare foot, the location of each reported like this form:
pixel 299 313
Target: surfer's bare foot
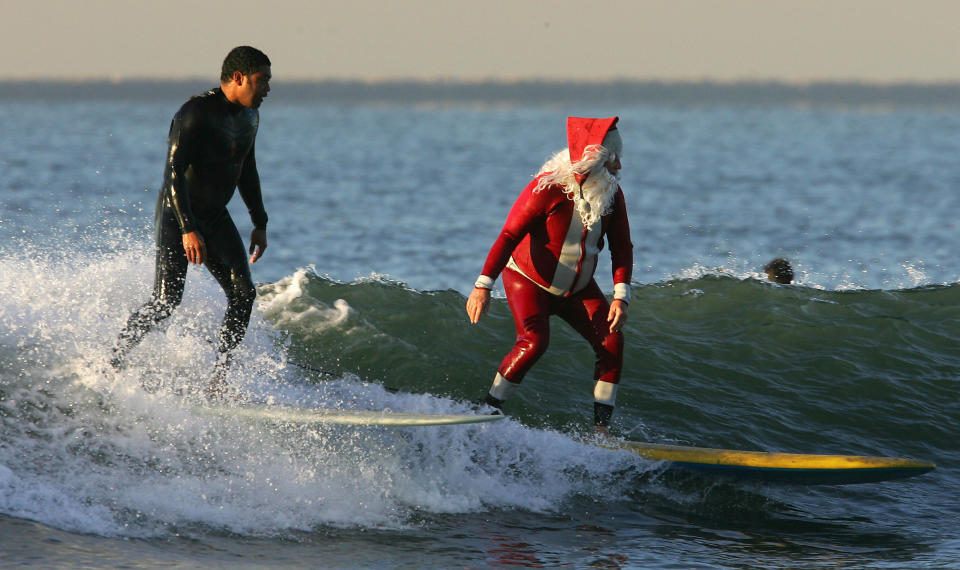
pixel 602 431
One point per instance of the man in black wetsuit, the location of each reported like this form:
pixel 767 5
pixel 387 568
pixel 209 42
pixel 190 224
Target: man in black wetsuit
pixel 210 154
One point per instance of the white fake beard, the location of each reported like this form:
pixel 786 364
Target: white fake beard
pixel 598 193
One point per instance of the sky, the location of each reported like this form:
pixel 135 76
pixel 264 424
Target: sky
pixel 682 40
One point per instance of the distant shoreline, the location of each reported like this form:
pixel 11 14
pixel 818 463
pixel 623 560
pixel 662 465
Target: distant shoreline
pixel 532 92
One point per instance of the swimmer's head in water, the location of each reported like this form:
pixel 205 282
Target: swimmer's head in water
pixel 779 270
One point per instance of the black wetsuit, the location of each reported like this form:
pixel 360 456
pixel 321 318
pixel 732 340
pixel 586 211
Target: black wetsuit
pixel 210 154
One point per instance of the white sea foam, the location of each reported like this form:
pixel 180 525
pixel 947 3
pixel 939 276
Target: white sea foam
pixel 287 302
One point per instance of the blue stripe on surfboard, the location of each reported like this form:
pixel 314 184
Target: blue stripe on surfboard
pixel 800 476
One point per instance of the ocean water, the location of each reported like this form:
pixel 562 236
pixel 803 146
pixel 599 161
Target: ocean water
pixel 381 214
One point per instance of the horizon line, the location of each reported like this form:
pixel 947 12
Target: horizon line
pixel 501 80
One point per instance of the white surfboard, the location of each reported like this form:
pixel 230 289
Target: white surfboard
pixel 308 415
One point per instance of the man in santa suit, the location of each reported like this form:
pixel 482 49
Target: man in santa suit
pixel 547 254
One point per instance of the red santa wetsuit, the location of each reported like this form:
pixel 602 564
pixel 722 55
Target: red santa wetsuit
pixel 548 259
pixel 548 255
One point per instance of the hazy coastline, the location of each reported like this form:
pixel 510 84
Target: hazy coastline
pixel 845 93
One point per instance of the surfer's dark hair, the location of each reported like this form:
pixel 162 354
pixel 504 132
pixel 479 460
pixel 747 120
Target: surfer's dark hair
pixel 780 269
pixel 245 59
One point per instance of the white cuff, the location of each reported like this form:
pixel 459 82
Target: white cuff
pixel 484 282
pixel 605 393
pixel 502 388
pixel 622 291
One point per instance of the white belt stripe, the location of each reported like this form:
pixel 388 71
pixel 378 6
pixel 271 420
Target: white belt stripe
pixel 566 272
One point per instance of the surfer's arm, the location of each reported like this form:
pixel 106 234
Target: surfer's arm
pixel 249 187
pixel 175 183
pixel 621 250
pixel 526 210
pixel 182 129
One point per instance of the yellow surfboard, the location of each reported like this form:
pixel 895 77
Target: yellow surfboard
pixel 786 468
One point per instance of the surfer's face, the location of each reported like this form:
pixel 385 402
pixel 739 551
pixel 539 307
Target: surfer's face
pixel 613 166
pixel 253 88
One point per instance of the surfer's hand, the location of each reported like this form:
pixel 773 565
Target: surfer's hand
pixel 477 303
pixel 194 247
pixel 258 243
pixel 617 315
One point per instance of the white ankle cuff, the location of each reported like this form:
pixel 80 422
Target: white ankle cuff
pixel 605 393
pixel 502 388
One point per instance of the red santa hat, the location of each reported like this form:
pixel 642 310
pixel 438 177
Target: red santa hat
pixel 583 132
